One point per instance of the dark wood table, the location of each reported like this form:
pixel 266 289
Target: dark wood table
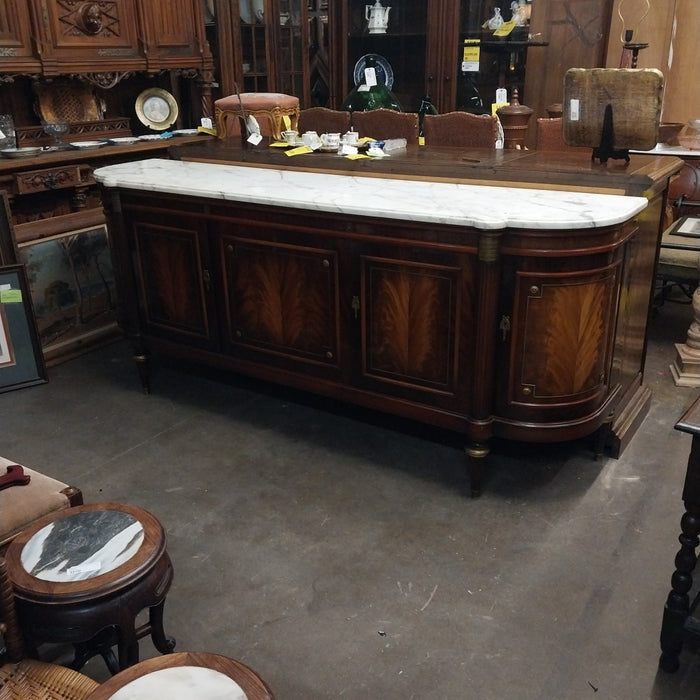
pixel 82 575
pixel 185 675
pixel 679 621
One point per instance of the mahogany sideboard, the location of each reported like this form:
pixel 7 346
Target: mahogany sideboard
pixel 457 293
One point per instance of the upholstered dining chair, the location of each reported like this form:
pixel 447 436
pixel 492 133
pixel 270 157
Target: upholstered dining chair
pixel 323 120
pixel 387 124
pixel 550 136
pixel 460 129
pixel 22 678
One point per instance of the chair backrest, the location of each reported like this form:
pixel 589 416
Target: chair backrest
pixel 22 678
pixel 550 136
pixel 387 124
pixel 324 121
pixel 460 129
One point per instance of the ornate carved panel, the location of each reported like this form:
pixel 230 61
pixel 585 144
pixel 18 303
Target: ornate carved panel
pixel 47 179
pixel 281 298
pixel 72 25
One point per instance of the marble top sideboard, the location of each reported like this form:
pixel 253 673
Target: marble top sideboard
pixel 481 206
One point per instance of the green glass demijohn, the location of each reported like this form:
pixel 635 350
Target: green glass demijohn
pixel 366 97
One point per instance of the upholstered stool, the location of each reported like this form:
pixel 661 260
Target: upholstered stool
pixel 22 504
pixel 185 675
pixel 81 577
pixel 268 108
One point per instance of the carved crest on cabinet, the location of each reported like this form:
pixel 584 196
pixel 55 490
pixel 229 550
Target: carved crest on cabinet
pixel 92 18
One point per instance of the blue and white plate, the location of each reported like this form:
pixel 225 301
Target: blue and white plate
pixel 384 70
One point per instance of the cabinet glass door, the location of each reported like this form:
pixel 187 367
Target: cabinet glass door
pixel 290 48
pixel 487 61
pixel 253 42
pixel 397 33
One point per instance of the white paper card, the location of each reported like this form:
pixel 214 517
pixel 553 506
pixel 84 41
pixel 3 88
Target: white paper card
pixel 501 96
pixel 370 76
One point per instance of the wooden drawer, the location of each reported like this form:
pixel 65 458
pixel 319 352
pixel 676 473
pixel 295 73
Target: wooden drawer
pixel 48 179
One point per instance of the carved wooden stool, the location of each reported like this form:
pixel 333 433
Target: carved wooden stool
pixel 82 576
pixel 269 108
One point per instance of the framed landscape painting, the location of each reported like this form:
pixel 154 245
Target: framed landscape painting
pixel 72 285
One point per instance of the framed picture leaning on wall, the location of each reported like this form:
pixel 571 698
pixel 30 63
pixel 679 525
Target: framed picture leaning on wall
pixel 21 359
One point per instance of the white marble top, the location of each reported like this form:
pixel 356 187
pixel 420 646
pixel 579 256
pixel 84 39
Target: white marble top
pixel 82 546
pixel 664 149
pixel 480 206
pixel 182 683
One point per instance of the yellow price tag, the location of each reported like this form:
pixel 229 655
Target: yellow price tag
pixel 11 296
pixel 506 28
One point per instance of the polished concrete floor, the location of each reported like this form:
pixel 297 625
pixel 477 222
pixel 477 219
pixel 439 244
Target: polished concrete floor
pixel 339 555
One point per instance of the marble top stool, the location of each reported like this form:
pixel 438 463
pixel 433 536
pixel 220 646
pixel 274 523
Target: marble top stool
pixel 185 676
pixel 82 576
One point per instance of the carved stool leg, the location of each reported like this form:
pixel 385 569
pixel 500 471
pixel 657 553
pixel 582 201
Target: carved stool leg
pixel 677 606
pixel 164 644
pixel 476 452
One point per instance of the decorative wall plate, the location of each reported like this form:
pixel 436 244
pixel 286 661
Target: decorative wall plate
pixel 156 108
pixel 385 72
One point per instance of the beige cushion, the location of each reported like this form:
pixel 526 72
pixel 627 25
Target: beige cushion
pixel 676 263
pixel 22 505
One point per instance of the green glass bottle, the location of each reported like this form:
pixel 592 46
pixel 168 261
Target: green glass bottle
pixel 426 107
pixel 370 93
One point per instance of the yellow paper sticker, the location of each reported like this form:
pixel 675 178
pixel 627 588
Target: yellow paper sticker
pixel 11 296
pixel 279 144
pixel 495 106
pixel 506 28
pixel 298 151
pixel 356 156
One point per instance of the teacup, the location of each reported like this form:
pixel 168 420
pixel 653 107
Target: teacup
pixel 330 140
pixel 291 137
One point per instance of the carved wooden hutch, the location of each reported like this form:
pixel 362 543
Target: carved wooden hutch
pixel 86 63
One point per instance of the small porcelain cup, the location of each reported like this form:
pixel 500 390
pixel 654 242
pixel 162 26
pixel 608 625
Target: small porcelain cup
pixel 290 137
pixel 330 140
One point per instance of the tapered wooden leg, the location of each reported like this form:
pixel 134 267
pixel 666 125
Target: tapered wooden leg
pixel 476 452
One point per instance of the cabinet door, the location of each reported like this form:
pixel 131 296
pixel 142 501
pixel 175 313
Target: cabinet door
pixel 15 39
pixel 562 332
pixel 173 32
pixel 87 36
pixel 171 258
pixel 291 30
pixel 417 328
pixel 281 301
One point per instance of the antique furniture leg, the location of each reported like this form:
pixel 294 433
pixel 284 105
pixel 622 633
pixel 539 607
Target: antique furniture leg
pixel 476 452
pixel 678 607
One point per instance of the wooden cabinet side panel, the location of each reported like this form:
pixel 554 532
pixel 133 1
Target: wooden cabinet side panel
pixel 172 285
pixel 15 35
